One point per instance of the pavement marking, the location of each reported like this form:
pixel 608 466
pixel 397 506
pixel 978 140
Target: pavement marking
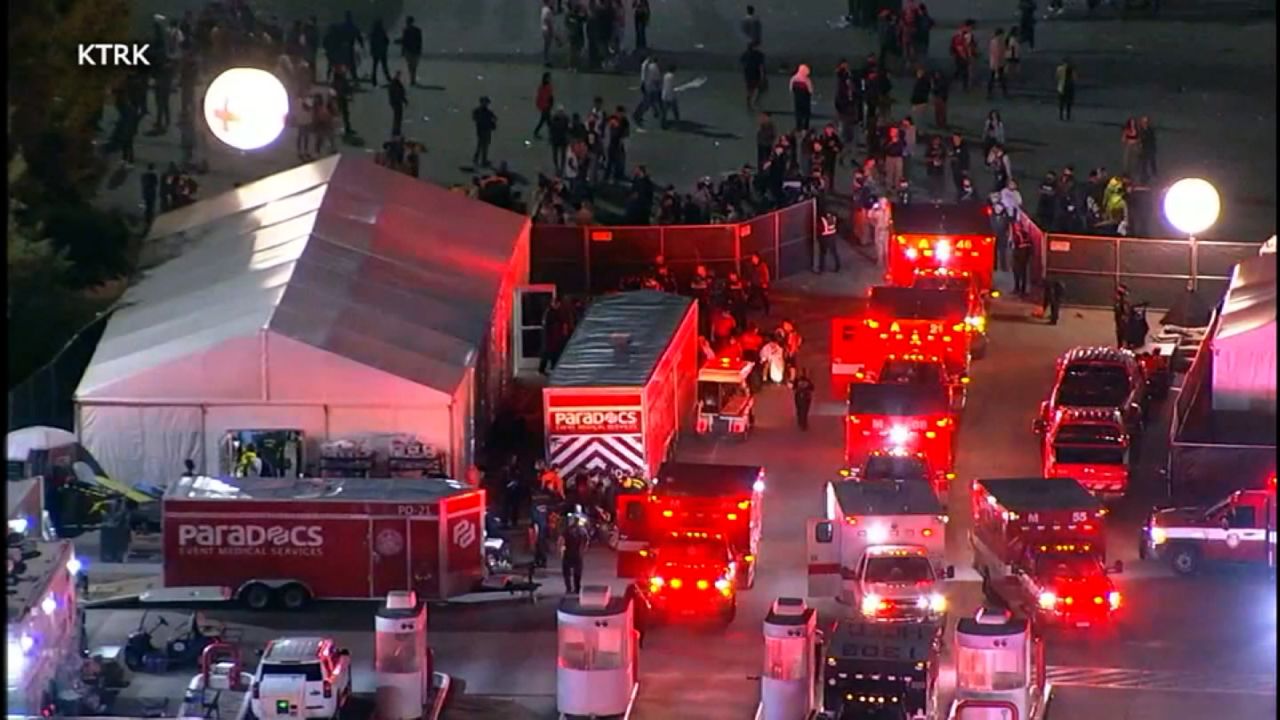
pixel 1163 680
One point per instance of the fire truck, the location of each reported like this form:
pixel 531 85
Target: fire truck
pixel 690 574
pixel 956 236
pixel 899 323
pixel 976 315
pixel 701 497
pixel 725 403
pixel 1040 546
pixel 45 630
pixel 895 416
pixel 1240 529
pixel 1099 378
pixel 880 670
pixel 880 548
pixel 901 466
pixel 1090 445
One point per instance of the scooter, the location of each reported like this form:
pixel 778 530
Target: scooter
pixel 177 651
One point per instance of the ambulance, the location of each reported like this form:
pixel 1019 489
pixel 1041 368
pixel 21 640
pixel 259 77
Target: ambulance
pixel 956 236
pixel 900 417
pixel 1238 530
pixel 880 548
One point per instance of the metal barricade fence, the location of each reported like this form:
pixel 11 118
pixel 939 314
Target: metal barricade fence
pixel 1155 270
pixel 594 259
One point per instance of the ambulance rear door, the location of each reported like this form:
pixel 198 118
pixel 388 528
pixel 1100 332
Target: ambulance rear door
pixel 822 541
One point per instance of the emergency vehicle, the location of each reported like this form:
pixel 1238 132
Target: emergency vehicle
pixel 1000 668
pixel 956 236
pixel 901 466
pixel 901 417
pixel 690 573
pixel 702 497
pixel 1099 378
pixel 625 386
pixel 1090 445
pixel 1040 546
pixel 288 541
pixel 975 317
pixel 1240 529
pixel 880 548
pixel 725 403
pixel 45 627
pixel 878 669
pixel 900 323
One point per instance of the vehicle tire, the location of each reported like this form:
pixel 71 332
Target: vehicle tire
pixel 1185 560
pixel 294 597
pixel 257 597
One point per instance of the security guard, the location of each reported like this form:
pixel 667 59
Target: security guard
pixel 803 390
pixel 827 243
pixel 575 546
pixel 1054 290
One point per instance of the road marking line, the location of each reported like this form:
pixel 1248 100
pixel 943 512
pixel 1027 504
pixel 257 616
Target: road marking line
pixel 1162 680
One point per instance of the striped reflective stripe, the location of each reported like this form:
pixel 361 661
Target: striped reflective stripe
pixel 596 452
pixel 1173 533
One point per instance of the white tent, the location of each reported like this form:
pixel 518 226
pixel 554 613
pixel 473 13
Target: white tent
pixel 1244 342
pixel 338 298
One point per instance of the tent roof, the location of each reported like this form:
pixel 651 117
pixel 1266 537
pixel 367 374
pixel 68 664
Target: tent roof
pixel 340 254
pixel 1250 302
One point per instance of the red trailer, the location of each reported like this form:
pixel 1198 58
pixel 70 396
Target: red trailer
pixel 265 541
pixel 625 385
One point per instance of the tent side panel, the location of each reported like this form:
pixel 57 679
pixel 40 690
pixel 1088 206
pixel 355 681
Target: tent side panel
pixel 311 420
pixel 494 364
pixel 300 374
pixel 428 424
pixel 1244 370
pixel 462 419
pixel 142 443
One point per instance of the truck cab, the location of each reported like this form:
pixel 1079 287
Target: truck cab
pixel 955 236
pixel 901 466
pixel 900 417
pixel 1239 529
pixel 880 549
pixel 701 497
pixel 963 280
pixel 1091 446
pixel 690 574
pixel 725 403
pixel 1067 584
pixel 1098 378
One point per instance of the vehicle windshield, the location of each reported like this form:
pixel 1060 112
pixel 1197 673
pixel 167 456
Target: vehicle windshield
pixel 691 550
pixel 716 396
pixel 940 282
pixel 1089 434
pixel 913 372
pixel 1089 455
pixel 1093 386
pixel 311 671
pixel 891 569
pixel 894 467
pixel 1068 566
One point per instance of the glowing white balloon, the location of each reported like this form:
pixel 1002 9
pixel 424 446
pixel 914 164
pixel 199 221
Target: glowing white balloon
pixel 1192 205
pixel 246 108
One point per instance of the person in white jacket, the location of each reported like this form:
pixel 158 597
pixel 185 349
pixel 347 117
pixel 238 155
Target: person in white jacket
pixel 650 91
pixel 879 217
pixel 667 102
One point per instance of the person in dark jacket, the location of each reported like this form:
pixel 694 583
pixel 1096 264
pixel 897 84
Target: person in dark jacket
pixel 411 48
pixel 379 44
pixel 1046 200
pixel 958 159
pixel 399 100
pixel 1054 291
pixel 575 547
pixel 485 122
pixel 802 97
pixel 802 389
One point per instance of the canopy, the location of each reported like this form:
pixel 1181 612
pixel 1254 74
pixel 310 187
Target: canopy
pixel 371 268
pixel 1244 343
pixel 1189 310
pixel 21 443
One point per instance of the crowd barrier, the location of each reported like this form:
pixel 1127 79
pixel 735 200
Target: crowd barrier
pixel 1155 270
pixel 596 258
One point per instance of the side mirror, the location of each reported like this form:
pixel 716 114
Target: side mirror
pixel 1117 568
pixel 951 572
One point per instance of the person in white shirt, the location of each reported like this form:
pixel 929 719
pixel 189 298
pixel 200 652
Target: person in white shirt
pixel 997 56
pixel 650 91
pixel 548 21
pixel 669 102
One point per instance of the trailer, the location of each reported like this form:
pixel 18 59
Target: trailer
pixel 625 386
pixel 45 628
pixel 287 541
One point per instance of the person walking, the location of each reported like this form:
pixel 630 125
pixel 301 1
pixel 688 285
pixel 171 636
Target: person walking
pixel 1131 145
pixel 920 95
pixel 1021 253
pixel 958 159
pixel 411 48
pixel 1054 291
pixel 766 138
pixel 485 122
pixel 1027 22
pixel 758 282
pixel 1066 85
pixel 894 151
pixel 997 56
pixel 940 89
pixel 343 90
pixel 752 28
pixel 544 99
pixel 802 390
pixel 640 15
pixel 992 131
pixel 1120 309
pixel 548 23
pixel 558 128
pixel 163 89
pixel 1013 54
pixel 650 91
pixel 667 102
pixel 802 96
pixel 399 100
pixel 150 189
pixel 1147 150
pixel 827 229
pixel 962 52
pixel 575 547
pixel 753 70
pixel 379 46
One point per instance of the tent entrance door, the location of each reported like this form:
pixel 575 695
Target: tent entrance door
pixel 530 304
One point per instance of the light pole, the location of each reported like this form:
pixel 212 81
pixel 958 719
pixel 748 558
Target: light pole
pixel 1192 205
pixel 246 108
